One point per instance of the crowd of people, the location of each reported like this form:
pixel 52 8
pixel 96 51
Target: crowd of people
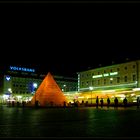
pixel 99 102
pixel 116 102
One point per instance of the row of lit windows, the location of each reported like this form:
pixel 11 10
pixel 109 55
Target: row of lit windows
pixel 67 88
pixel 21 92
pixel 24 80
pixel 19 84
pixel 24 92
pixel 118 80
pixel 118 69
pixel 16 85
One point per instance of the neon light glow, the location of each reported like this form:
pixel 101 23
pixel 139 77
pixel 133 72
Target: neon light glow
pixel 91 88
pixel 121 85
pixel 136 89
pixel 7 78
pixel 113 73
pixel 21 69
pixel 105 74
pixel 97 76
pixel 35 85
pixel 114 86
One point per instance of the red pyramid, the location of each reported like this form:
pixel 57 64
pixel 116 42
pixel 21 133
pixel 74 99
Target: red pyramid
pixel 49 93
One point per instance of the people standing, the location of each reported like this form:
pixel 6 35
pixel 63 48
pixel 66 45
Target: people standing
pixel 102 102
pixel 125 102
pixel 97 102
pixel 108 102
pixel 138 102
pixel 116 102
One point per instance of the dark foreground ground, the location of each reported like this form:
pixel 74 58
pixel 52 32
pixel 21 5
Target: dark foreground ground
pixel 70 122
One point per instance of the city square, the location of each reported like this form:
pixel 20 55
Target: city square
pixel 70 122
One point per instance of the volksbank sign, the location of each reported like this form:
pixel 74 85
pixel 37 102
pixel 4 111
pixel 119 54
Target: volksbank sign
pixel 21 69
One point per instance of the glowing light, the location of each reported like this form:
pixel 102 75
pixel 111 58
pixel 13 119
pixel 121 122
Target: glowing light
pixel 35 85
pixel 43 95
pixel 132 94
pixel 9 89
pixel 136 89
pixel 91 88
pixel 19 97
pixel 5 96
pixel 21 69
pixel 111 79
pixel 108 91
pixel 81 97
pixel 120 95
pixel 7 78
pixel 113 73
pixel 106 74
pixel 97 76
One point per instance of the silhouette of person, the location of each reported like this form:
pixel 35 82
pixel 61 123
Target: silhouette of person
pixel 108 102
pixel 116 102
pixel 86 104
pixel 36 103
pixel 64 104
pixel 18 103
pixel 138 102
pixel 125 102
pixel 23 103
pixel 97 102
pixel 101 101
pixel 13 103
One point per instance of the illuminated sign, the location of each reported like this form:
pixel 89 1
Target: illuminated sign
pixel 105 75
pixel 21 69
pixel 97 76
pixel 7 78
pixel 113 73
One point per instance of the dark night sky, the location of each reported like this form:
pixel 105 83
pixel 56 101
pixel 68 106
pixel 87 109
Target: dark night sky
pixel 65 39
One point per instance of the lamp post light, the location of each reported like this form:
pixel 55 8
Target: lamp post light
pixel 34 88
pixel 91 88
pixel 64 87
pixel 10 93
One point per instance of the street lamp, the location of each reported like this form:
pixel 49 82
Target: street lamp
pixel 91 88
pixel 64 87
pixel 34 90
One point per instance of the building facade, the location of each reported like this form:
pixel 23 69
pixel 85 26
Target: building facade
pixel 118 80
pixel 115 76
pixel 20 83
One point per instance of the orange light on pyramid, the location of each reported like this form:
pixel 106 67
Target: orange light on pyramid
pixel 49 92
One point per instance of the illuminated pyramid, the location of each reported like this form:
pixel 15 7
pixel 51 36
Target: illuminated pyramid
pixel 49 93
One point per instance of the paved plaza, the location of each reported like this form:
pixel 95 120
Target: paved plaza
pixel 69 122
